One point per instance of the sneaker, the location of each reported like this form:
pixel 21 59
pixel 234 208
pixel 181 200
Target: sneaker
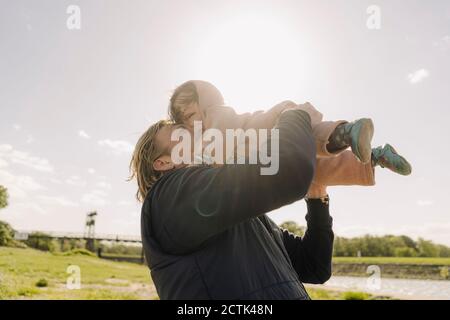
pixel 387 157
pixel 358 135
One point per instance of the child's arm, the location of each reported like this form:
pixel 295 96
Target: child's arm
pixel 267 119
pixel 222 117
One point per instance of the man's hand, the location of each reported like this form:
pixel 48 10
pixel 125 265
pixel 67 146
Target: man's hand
pixel 316 116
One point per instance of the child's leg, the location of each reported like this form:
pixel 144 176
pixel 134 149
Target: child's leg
pixel 343 170
pixel 357 135
pixel 322 133
pixel 322 130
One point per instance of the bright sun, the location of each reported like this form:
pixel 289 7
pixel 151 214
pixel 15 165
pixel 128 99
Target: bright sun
pixel 255 61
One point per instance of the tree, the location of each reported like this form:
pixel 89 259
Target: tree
pixel 41 241
pixel 427 248
pixel 3 197
pixel 6 234
pixel 293 227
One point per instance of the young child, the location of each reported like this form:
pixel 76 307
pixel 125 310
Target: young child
pixel 197 100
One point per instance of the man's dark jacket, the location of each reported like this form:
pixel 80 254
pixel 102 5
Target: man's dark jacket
pixel 206 235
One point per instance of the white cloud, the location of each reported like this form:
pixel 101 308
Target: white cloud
pixel 83 134
pixel 418 76
pixel 126 222
pixel 424 203
pixel 95 198
pixel 56 201
pixel 17 127
pixel 3 163
pixel 104 185
pixel 30 139
pixel 7 152
pixel 55 181
pixel 26 208
pixel 118 147
pixel 19 185
pixel 91 171
pixel 443 43
pixel 4 148
pixel 76 181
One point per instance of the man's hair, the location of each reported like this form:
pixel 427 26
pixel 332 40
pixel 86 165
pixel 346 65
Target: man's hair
pixel 145 153
pixel 182 97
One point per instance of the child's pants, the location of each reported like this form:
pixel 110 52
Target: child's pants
pixel 343 170
pixel 334 169
pixel 322 130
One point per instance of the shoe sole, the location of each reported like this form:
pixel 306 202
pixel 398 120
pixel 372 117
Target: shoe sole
pixel 406 168
pixel 363 149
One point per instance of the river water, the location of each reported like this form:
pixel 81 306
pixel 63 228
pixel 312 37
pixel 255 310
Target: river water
pixel 400 288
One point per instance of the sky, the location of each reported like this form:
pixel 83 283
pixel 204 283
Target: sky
pixel 74 101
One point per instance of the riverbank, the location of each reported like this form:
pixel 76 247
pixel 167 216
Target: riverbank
pixel 392 267
pixel 403 289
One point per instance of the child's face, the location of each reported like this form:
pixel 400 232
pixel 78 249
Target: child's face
pixel 190 114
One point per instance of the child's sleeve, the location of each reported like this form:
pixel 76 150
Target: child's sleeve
pixel 267 119
pixel 221 117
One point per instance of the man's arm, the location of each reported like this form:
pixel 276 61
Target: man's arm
pixel 198 203
pixel 267 119
pixel 311 254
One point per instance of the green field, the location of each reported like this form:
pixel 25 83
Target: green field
pixel 393 260
pixel 21 269
pixel 33 274
pixel 322 294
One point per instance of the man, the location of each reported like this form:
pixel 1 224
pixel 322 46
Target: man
pixel 204 229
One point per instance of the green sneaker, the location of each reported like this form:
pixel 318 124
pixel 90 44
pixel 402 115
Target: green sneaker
pixel 358 135
pixel 387 157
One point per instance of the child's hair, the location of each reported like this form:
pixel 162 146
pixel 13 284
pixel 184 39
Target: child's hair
pixel 145 153
pixel 182 97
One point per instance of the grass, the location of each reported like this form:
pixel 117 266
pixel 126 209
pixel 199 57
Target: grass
pixel 322 294
pixel 33 274
pixel 393 260
pixel 121 256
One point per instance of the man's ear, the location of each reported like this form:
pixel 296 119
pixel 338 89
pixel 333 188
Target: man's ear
pixel 163 163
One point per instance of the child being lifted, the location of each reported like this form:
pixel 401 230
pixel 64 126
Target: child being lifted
pixel 197 100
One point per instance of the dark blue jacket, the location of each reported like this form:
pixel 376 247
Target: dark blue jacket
pixel 206 235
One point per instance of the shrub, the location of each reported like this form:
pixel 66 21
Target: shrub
pixel 82 252
pixel 6 233
pixel 41 283
pixel 405 252
pixel 27 291
pixel 7 236
pixel 41 241
pixel 351 295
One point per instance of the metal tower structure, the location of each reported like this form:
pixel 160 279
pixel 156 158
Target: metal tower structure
pixel 89 231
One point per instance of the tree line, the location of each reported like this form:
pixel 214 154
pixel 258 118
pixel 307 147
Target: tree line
pixel 379 246
pixel 366 246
